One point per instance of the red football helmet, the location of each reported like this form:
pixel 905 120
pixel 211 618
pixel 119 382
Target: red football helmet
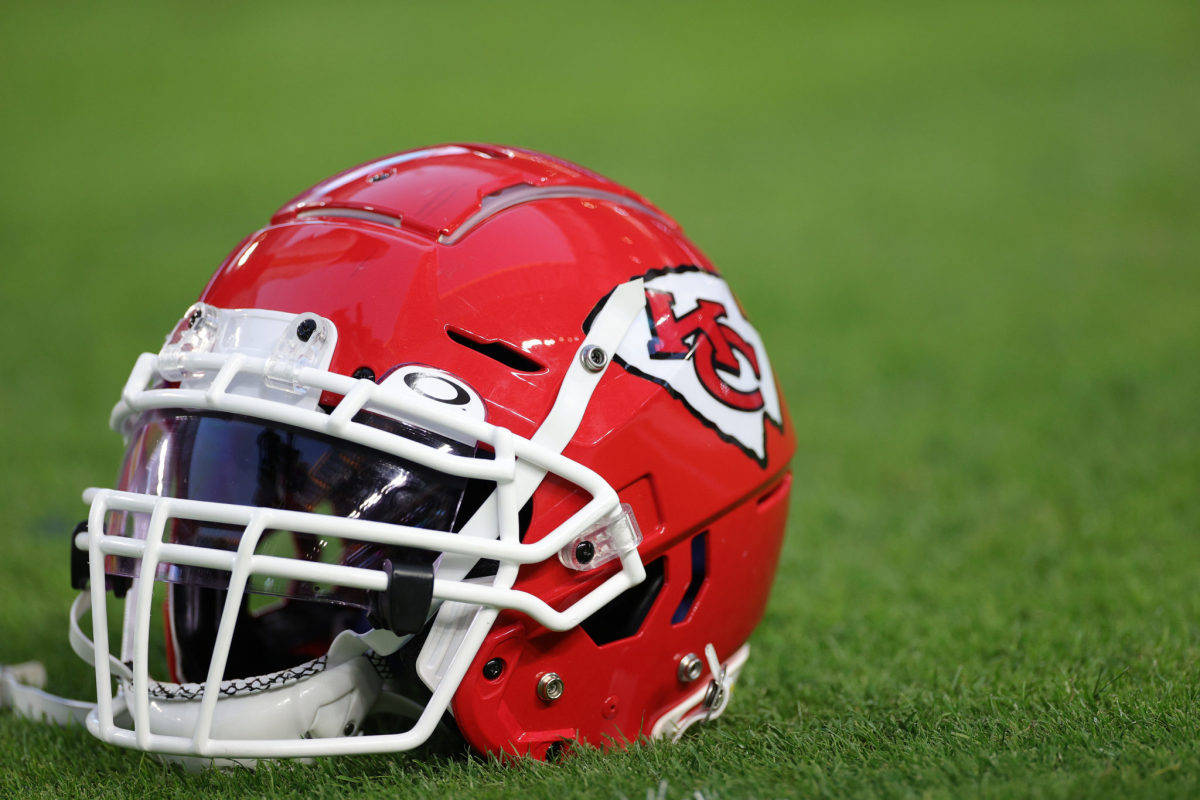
pixel 466 435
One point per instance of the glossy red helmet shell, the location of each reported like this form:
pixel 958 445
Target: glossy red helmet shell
pixel 487 261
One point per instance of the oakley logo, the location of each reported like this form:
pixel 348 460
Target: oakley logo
pixel 694 341
pixel 423 383
pixel 436 387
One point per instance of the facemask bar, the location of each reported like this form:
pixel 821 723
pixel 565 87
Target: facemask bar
pixel 518 467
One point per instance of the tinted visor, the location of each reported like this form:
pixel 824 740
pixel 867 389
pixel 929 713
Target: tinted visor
pixel 229 459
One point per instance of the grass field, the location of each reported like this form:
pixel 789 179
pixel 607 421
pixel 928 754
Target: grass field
pixel 970 235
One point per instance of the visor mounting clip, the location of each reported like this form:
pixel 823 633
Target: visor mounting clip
pixel 404 605
pixel 79 560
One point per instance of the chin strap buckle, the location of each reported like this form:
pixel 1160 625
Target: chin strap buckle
pixel 707 702
pixel 717 695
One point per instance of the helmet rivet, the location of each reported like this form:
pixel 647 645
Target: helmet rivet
pixel 364 374
pixel 348 730
pixel 690 668
pixel 305 329
pixel 493 668
pixel 593 358
pixel 585 552
pixel 550 687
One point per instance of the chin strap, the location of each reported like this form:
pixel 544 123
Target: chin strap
pixel 341 688
pixel 21 690
pixel 21 684
pixel 706 703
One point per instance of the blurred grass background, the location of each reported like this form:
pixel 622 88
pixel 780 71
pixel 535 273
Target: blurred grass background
pixel 967 231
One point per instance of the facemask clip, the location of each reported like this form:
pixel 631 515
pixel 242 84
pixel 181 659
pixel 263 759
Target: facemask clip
pixel 603 542
pixel 403 606
pixel 80 575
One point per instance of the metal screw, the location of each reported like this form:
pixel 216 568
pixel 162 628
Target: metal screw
pixel 714 695
pixel 348 730
pixel 305 329
pixel 364 373
pixel 593 358
pixel 550 687
pixel 585 552
pixel 493 668
pixel 690 668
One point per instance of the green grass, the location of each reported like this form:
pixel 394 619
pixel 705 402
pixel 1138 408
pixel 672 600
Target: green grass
pixel 968 233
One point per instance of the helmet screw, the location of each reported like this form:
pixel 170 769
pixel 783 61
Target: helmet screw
pixel 493 668
pixel 585 552
pixel 593 358
pixel 348 730
pixel 305 329
pixel 690 667
pixel 550 687
pixel 364 374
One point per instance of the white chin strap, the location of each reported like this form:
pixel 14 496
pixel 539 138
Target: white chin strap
pixel 706 703
pixel 326 698
pixel 21 690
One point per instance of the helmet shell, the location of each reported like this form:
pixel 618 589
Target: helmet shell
pixel 487 261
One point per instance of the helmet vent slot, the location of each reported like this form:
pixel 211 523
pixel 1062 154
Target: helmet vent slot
pixel 497 350
pixel 776 493
pixel 522 193
pixel 327 212
pixel 623 616
pixel 699 573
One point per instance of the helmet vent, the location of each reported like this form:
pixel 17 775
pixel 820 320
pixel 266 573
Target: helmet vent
pixel 522 193
pixel 776 493
pixel 623 616
pixel 497 350
pixel 327 212
pixel 699 573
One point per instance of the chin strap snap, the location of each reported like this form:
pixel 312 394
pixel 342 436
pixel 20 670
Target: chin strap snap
pixel 717 695
pixel 706 703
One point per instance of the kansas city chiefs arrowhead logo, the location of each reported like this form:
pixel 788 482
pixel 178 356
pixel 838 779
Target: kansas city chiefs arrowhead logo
pixel 694 341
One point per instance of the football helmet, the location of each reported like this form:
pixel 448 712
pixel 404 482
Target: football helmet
pixel 466 438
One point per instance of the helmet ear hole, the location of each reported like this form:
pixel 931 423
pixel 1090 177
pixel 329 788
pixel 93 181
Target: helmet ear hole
pixel 623 616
